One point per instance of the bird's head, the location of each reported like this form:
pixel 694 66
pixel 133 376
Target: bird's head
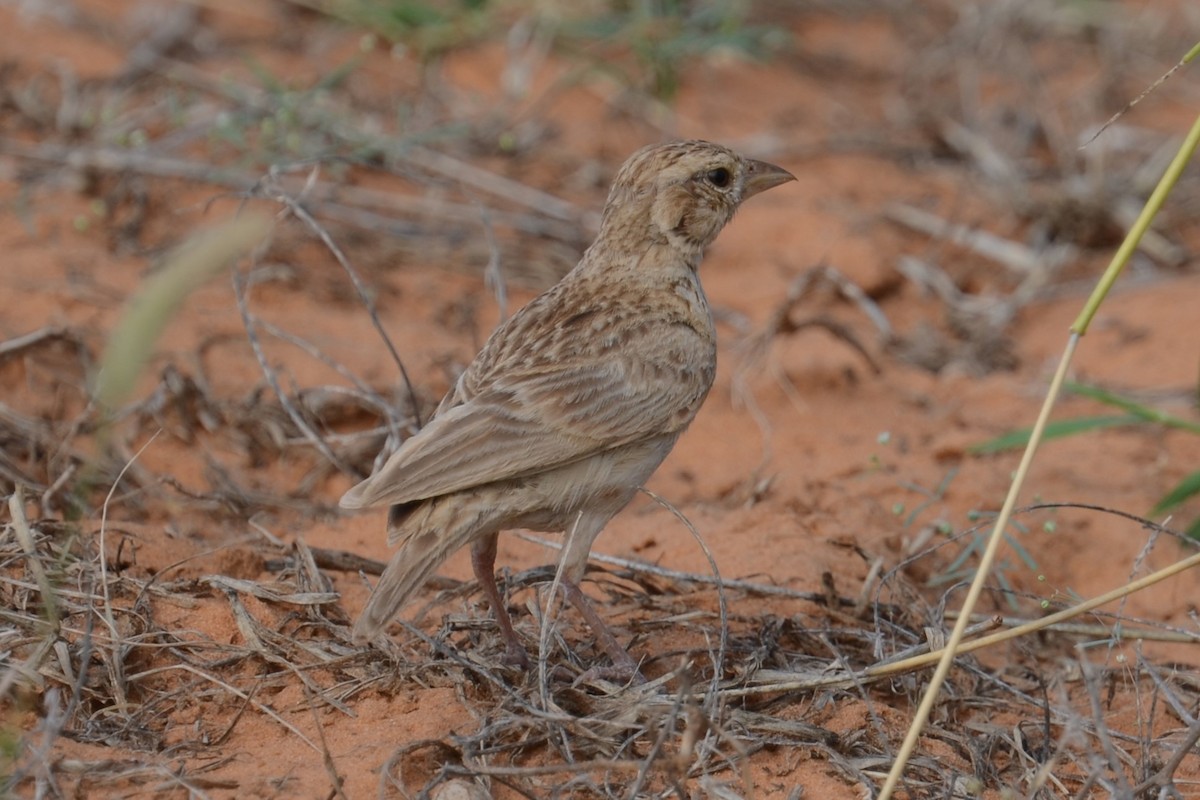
pixel 685 192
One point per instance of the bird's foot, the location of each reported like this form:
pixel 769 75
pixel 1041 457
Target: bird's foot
pixel 515 656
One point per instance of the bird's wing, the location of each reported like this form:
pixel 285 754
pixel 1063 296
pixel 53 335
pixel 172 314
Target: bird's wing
pixel 529 421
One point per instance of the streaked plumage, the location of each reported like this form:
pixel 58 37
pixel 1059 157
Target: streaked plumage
pixel 574 401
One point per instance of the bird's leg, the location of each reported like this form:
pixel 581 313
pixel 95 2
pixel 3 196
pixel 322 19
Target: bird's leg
pixel 572 566
pixel 483 562
pixel 624 668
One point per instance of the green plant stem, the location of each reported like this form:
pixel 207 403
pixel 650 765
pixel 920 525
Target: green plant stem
pixel 1134 237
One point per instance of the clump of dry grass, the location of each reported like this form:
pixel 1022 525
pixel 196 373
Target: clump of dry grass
pixel 109 668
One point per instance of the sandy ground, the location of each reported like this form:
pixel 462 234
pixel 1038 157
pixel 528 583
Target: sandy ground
pixel 840 474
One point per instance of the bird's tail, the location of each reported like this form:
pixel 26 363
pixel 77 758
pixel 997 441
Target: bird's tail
pixel 427 536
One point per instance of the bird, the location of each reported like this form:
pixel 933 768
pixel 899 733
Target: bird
pixel 575 400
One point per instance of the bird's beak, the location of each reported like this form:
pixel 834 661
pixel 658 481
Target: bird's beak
pixel 761 176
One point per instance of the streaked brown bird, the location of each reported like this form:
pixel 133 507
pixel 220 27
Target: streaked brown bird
pixel 574 401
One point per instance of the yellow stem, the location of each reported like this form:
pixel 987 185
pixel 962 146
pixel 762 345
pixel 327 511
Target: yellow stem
pixel 1078 328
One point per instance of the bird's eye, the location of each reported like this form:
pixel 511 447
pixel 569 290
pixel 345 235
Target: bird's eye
pixel 718 177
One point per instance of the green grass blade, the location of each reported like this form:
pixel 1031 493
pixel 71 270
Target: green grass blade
pixel 1193 531
pixel 1054 430
pixel 1186 489
pixel 1137 409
